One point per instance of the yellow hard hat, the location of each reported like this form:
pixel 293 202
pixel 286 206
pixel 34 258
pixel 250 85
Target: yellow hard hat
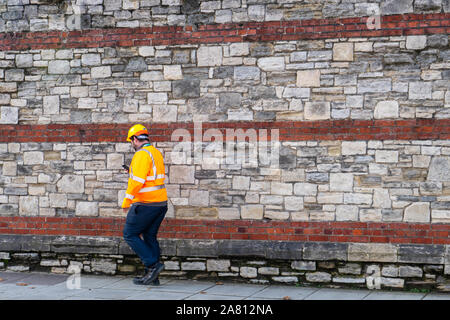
pixel 136 130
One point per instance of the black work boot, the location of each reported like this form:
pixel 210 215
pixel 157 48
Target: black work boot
pixel 152 274
pixel 138 280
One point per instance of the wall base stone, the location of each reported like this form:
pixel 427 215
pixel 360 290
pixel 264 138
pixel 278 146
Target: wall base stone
pixel 236 260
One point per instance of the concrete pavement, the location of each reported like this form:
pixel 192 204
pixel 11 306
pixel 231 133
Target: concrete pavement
pixel 45 286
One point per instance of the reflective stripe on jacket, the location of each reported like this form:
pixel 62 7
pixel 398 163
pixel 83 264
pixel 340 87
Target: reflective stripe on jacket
pixel 146 182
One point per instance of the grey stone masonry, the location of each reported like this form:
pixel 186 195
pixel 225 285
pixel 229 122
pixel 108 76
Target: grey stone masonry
pixel 368 181
pixel 40 15
pixel 226 82
pixel 418 266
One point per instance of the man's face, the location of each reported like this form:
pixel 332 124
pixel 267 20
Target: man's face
pixel 134 143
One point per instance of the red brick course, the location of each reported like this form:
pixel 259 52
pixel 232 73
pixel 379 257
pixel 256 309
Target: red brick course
pixel 414 129
pixel 393 25
pixel 369 232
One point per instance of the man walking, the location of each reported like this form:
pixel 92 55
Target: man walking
pixel 146 201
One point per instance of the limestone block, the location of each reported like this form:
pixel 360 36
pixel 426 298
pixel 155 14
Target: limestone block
pixel 417 212
pixel 104 266
pixel 9 115
pixel 410 271
pixel 5 98
pixel 229 213
pixel 87 103
pixel 346 213
pixel 308 78
pixel 28 205
pixel 319 110
pixel 280 188
pixel 136 64
pixel 58 200
pixel 58 67
pixel 420 90
pixel 269 271
pixel 386 156
pixel 181 174
pixel 101 72
pixel 439 169
pixel 209 56
pixel 218 265
pixel 14 75
pixel 357 198
pixel 147 51
pixel 353 147
pixel 389 7
pixel 193 266
pixel 85 208
pixel 33 157
pixel 341 181
pixel 293 203
pixel 241 183
pixel 9 168
pixel 374 85
pixel 114 161
pixel 372 252
pixel 24 60
pixel 318 277
pixel 6 87
pixel 420 161
pixel 165 113
pixel 157 98
pixel 248 272
pixel 440 216
pixel 247 73
pixel 173 72
pixel 330 197
pixel 199 198
pixel 71 184
pixel 91 59
pixel 271 63
pixel 239 49
pixel 381 198
pixel 80 92
pixel 343 51
pixel 386 109
pixel 416 42
pixel 187 88
pixel 304 265
pixel 252 211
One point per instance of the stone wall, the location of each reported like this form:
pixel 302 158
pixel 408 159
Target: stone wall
pixel 356 93
pixel 373 266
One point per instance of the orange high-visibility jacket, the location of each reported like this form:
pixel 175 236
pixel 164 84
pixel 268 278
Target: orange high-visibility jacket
pixel 147 173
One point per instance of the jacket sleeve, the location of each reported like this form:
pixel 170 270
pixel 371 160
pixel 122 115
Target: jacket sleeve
pixel 139 169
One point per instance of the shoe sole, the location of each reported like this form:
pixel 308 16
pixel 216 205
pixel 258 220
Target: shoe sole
pixel 154 275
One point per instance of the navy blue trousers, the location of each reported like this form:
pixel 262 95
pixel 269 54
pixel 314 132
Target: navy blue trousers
pixel 144 220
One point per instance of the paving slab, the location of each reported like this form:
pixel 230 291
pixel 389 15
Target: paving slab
pixel 384 295
pixel 232 289
pixel 280 292
pixel 189 286
pixel 13 277
pixel 101 293
pixel 95 282
pixel 201 296
pixel 338 294
pixel 127 283
pixel 437 296
pixel 159 295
